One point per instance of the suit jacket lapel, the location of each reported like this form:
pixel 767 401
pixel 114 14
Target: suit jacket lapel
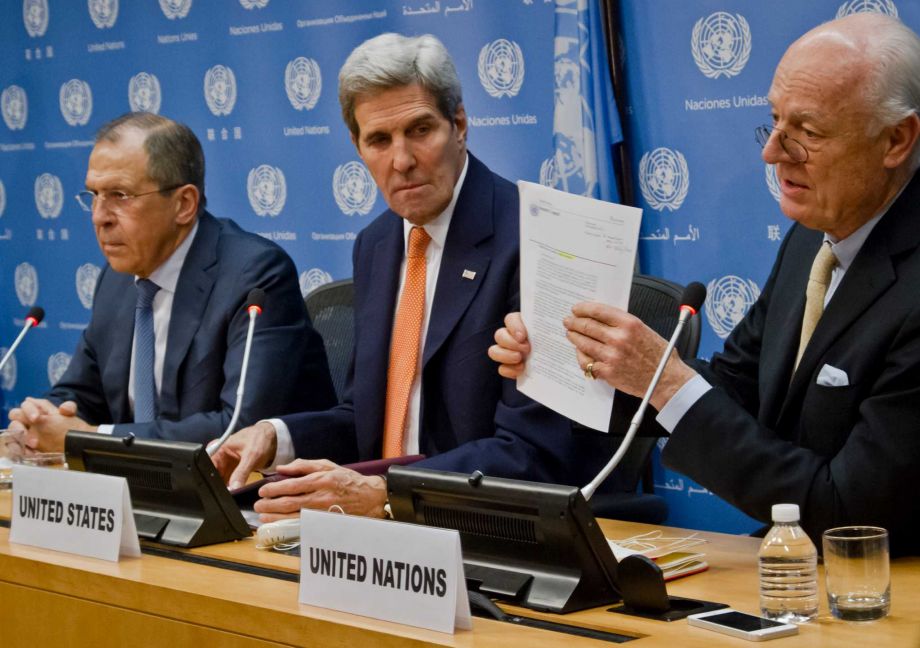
pixel 116 373
pixel 470 225
pixel 778 355
pixel 376 322
pixel 196 280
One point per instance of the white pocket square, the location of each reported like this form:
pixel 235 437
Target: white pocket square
pixel 833 377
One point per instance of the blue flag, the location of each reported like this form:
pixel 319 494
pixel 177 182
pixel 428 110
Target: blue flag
pixel 585 120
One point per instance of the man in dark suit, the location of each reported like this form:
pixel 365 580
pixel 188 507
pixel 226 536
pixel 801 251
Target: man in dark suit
pixel 815 399
pixel 438 393
pixel 145 190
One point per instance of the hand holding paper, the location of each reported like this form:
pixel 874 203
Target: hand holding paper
pixel 573 249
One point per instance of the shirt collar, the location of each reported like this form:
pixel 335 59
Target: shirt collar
pixel 167 275
pixel 846 249
pixel 437 229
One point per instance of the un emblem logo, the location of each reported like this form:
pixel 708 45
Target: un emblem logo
pixel 868 6
pixel 174 9
pixel 26 279
pixel 76 102
pixel 729 299
pixel 2 198
pixel 312 279
pixel 267 190
pixel 254 4
pixel 501 68
pixel 87 275
pixel 772 181
pixel 664 179
pixel 15 107
pixel 8 373
pixel 721 44
pixel 220 90
pixel 49 195
pixel 549 176
pixel 144 93
pixel 103 12
pixel 35 17
pixel 353 188
pixel 303 83
pixel 57 365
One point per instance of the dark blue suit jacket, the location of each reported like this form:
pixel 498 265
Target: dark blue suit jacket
pixel 207 333
pixel 845 454
pixel 471 418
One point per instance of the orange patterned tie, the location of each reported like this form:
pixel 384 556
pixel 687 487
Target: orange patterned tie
pixel 404 345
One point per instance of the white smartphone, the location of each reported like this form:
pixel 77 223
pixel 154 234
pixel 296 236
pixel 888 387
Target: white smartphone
pixel 744 626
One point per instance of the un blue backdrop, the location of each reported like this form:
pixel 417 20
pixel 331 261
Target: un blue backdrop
pixel 256 81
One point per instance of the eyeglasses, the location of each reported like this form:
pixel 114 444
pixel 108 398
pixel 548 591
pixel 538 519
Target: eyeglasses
pixel 793 148
pixel 115 199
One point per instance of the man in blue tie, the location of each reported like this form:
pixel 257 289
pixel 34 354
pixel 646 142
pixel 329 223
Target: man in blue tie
pixel 162 354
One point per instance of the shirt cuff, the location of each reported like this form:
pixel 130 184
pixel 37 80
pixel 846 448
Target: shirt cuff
pixel 106 429
pixel 284 452
pixel 685 398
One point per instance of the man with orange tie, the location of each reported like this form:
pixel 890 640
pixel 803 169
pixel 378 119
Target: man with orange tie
pixel 433 277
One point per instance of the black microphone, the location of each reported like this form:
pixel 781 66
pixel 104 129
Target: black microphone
pixel 257 296
pixel 692 299
pixel 254 308
pixel 33 318
pixel 690 302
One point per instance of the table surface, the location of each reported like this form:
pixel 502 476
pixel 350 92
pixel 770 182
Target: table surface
pixel 178 598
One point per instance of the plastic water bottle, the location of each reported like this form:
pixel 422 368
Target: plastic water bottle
pixel 788 569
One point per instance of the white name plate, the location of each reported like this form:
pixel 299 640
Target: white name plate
pixel 73 511
pixel 387 570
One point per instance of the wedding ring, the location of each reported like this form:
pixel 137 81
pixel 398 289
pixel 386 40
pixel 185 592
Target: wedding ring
pixel 589 371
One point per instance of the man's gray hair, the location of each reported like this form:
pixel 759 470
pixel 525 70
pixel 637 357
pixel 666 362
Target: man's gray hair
pixel 393 61
pixel 174 155
pixel 892 90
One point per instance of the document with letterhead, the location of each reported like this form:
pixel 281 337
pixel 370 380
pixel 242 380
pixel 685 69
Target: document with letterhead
pixel 573 249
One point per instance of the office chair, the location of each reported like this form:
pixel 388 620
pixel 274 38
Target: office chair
pixel 331 309
pixel 656 302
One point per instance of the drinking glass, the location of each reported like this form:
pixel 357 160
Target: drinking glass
pixel 857 573
pixel 11 452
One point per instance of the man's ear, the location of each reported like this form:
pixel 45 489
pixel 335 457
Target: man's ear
pixel 902 140
pixel 187 198
pixel 460 122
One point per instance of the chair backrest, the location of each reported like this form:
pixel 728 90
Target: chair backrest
pixel 331 309
pixel 657 303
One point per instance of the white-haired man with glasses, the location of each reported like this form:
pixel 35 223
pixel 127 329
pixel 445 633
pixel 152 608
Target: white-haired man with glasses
pixel 162 354
pixel 815 398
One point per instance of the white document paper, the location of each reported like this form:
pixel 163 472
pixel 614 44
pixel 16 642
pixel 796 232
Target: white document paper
pixel 404 573
pixel 573 249
pixel 77 512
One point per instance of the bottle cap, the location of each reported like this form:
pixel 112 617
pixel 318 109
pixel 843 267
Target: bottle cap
pixel 785 512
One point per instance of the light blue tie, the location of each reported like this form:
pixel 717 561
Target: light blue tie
pixel 145 391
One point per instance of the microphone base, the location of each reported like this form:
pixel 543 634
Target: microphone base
pixel 678 608
pixel 645 595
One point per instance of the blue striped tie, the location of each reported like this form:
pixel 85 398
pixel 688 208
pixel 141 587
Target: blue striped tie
pixel 145 394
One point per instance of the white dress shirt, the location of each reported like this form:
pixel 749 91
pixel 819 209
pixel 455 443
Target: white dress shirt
pixel 437 230
pixel 167 278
